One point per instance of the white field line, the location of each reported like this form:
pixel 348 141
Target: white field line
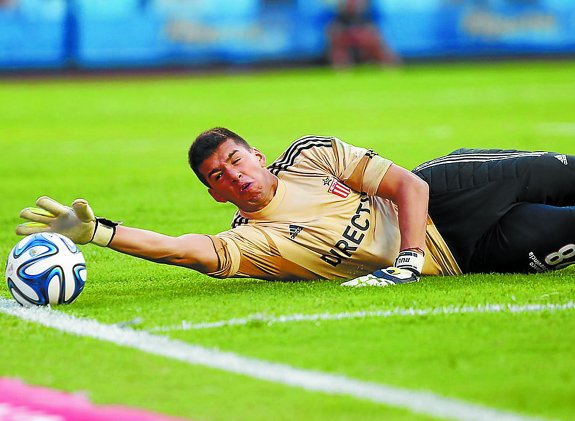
pixel 396 312
pixel 420 402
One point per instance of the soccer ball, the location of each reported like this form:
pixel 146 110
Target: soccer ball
pixel 45 268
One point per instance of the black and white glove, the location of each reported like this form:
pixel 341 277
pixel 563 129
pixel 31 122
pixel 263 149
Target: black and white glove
pixel 77 222
pixel 406 269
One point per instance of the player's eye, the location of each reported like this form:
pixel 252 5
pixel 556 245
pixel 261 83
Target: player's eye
pixel 218 176
pixel 235 161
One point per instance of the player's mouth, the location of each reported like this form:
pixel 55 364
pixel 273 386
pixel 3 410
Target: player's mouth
pixel 246 187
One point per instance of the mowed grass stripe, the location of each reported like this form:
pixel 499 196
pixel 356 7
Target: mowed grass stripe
pixel 395 312
pixel 419 402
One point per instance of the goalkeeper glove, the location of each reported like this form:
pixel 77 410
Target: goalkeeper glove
pixel 78 222
pixel 407 268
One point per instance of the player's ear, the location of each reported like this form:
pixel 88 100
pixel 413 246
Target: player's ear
pixel 217 197
pixel 260 156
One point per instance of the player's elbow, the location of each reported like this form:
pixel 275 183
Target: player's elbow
pixel 177 258
pixel 178 254
pixel 421 188
pixel 414 188
pixel 193 251
pixel 168 250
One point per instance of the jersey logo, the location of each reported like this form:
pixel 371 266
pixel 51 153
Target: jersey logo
pixel 562 159
pixel 336 187
pixel 370 153
pixel 239 220
pixel 294 230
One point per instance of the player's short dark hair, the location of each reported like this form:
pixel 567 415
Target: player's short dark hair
pixel 206 143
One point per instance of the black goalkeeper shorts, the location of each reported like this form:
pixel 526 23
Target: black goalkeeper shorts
pixel 504 210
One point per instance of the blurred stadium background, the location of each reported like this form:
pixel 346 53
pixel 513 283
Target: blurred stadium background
pixel 102 34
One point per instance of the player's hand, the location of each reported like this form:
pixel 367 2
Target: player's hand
pixel 78 222
pixel 383 278
pixel 407 269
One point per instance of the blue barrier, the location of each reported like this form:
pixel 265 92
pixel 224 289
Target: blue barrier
pixel 33 35
pixel 134 33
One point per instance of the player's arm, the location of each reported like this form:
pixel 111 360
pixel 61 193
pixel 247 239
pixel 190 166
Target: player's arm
pixel 194 251
pixel 411 195
pixel 80 225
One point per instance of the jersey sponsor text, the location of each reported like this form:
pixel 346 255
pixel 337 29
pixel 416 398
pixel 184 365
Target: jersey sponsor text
pixel 352 235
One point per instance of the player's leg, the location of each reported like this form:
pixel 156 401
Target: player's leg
pixel 529 238
pixel 471 190
pixel 549 179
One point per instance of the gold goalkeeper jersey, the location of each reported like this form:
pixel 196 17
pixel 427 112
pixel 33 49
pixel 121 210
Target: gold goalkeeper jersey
pixel 324 220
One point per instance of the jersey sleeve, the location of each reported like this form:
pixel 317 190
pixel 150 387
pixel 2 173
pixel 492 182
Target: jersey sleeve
pixel 359 168
pixel 249 251
pixel 228 257
pixel 246 251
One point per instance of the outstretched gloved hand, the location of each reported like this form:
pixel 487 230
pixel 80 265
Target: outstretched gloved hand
pixel 77 222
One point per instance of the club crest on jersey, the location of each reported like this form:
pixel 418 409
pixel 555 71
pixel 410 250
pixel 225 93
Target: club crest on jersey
pixel 336 187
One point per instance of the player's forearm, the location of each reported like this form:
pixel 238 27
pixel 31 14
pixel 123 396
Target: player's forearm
pixel 412 204
pixel 411 195
pixel 145 244
pixel 185 251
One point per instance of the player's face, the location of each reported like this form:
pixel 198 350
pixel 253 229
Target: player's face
pixel 239 175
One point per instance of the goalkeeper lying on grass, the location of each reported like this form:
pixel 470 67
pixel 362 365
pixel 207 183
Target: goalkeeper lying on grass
pixel 327 209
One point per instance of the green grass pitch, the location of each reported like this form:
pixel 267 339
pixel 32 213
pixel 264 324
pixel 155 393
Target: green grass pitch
pixel 122 145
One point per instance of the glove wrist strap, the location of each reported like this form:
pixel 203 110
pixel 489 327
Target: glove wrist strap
pixel 410 260
pixel 104 232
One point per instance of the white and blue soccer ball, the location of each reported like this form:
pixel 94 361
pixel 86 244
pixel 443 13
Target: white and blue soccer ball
pixel 45 268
